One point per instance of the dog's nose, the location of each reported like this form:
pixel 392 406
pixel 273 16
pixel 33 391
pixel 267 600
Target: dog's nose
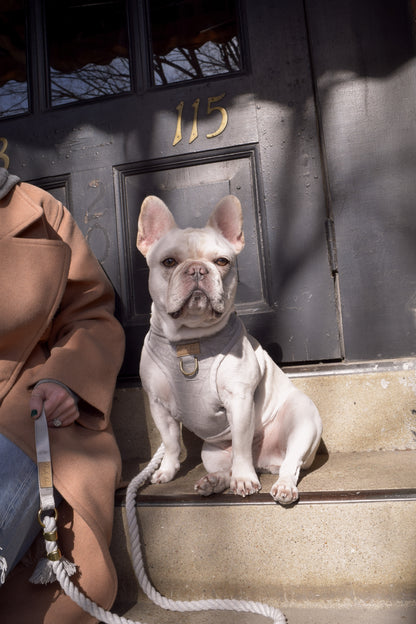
pixel 197 271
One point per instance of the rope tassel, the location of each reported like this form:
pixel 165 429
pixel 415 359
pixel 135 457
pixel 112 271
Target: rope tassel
pixel 45 571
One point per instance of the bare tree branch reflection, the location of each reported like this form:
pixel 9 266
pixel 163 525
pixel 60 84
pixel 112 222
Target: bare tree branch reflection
pixel 91 81
pixel 13 98
pixel 188 63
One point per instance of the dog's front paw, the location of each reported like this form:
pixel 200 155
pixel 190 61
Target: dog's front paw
pixel 284 492
pixel 245 486
pixel 161 476
pixel 166 472
pixel 212 483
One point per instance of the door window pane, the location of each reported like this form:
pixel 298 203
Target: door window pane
pixel 88 49
pixel 193 39
pixel 13 79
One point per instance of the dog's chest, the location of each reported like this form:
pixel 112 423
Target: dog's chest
pixel 198 405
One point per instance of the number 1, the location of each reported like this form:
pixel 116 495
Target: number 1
pixel 178 134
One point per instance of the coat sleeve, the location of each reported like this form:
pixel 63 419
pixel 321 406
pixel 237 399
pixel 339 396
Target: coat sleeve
pixel 86 342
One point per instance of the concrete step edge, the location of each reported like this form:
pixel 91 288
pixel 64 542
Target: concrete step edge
pixel 340 477
pixel 306 498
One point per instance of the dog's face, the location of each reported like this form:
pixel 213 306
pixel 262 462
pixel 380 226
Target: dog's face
pixel 192 278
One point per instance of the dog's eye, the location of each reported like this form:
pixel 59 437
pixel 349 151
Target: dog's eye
pixel 169 262
pixel 222 261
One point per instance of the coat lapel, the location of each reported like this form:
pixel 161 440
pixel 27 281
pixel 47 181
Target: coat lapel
pixel 17 212
pixel 32 281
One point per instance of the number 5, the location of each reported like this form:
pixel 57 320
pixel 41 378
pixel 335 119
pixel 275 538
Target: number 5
pixel 210 109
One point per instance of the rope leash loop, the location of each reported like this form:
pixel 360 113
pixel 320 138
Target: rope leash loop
pixel 60 569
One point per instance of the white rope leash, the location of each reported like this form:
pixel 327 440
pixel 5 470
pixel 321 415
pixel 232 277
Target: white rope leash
pixel 61 569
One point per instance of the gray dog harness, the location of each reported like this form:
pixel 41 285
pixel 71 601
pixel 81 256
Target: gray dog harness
pixel 191 369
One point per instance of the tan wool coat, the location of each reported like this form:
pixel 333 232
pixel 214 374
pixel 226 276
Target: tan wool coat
pixel 56 322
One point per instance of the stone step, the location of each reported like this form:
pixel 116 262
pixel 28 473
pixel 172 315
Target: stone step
pixel 337 477
pixel 365 407
pixel 146 612
pixel 331 559
pixel 346 550
pixel 353 529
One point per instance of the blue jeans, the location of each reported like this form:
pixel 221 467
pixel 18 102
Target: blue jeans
pixel 19 502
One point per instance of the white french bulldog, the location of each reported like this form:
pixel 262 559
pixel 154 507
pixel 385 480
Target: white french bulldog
pixel 200 367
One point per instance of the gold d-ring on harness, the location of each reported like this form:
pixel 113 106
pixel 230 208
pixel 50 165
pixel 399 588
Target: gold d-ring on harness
pixel 192 373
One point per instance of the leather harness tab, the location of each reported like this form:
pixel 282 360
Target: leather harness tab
pixel 190 348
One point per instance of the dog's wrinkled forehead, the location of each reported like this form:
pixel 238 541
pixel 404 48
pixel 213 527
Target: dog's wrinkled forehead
pixel 192 243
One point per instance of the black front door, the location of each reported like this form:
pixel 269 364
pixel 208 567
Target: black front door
pixel 188 100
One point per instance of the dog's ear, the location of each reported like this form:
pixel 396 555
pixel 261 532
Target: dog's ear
pixel 227 218
pixel 155 219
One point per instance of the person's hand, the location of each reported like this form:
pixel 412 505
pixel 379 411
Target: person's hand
pixel 60 406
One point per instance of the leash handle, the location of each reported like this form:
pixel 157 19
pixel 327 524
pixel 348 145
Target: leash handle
pixel 43 455
pixel 47 500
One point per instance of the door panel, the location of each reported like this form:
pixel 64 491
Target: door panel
pixel 191 188
pixel 303 325
pixel 253 133
pixel 366 82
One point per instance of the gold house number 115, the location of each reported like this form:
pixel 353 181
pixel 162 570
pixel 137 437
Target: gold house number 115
pixel 210 109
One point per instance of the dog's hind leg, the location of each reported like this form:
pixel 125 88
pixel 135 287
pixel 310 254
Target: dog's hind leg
pixel 302 428
pixel 217 461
